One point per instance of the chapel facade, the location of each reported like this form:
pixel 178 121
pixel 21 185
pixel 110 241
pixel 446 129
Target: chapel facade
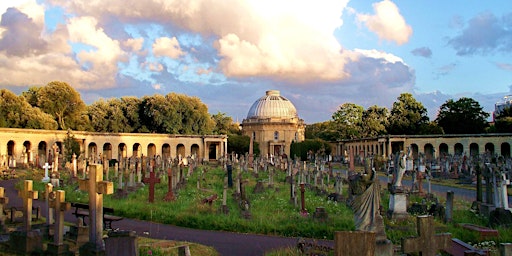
pixel 273 122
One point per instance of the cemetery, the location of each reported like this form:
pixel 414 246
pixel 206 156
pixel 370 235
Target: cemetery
pixel 331 208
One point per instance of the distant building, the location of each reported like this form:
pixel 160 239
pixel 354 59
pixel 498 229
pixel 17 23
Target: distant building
pixel 273 122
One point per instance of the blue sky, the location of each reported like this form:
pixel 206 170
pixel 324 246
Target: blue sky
pixel 319 54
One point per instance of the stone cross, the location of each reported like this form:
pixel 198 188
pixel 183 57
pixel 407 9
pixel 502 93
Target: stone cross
pixel 60 207
pixel 96 187
pixel 3 201
pixel 428 243
pixel 46 177
pixel 48 194
pixel 152 180
pixel 27 195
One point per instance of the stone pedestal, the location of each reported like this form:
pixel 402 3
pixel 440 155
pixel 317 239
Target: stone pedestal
pixel 398 206
pixel 26 242
pixel 58 249
pixel 505 249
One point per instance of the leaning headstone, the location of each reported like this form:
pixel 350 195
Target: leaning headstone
pixel 427 243
pixel 58 247
pixel 27 240
pixel 121 243
pixel 96 188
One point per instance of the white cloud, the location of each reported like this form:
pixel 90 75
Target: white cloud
pixel 387 22
pixel 169 47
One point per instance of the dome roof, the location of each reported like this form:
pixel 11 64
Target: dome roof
pixel 272 105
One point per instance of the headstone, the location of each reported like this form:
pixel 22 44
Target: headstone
pixel 354 243
pixel 96 188
pixel 75 166
pixel 121 243
pixel 4 200
pixel 449 206
pixel 46 178
pixel 303 210
pixel 427 243
pixel 170 194
pixel 152 180
pixel 55 164
pixel 48 197
pixel 27 240
pixel 58 247
pixel 224 208
pixel 505 249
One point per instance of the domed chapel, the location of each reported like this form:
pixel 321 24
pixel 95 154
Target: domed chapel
pixel 273 122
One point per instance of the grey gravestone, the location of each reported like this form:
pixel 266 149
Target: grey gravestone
pixel 427 243
pixel 121 243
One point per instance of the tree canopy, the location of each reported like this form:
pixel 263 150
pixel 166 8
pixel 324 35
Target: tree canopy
pixel 462 116
pixel 15 112
pixel 348 119
pixel 408 116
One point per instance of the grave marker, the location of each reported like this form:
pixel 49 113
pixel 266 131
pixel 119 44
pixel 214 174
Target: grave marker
pixel 46 177
pixel 3 201
pixel 96 188
pixel 170 194
pixel 427 243
pixel 58 247
pixel 152 180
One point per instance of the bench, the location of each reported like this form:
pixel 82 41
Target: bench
pixel 209 200
pixel 82 211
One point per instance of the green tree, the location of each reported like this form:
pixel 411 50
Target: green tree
pixel 16 112
pixel 325 130
pixel 71 147
pixel 374 121
pixel 462 116
pixel 224 124
pixel 60 100
pixel 240 144
pixel 301 149
pixel 408 116
pixel 348 120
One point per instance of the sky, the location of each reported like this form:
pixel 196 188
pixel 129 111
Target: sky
pixel 319 54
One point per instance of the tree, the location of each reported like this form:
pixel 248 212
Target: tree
pixel 374 121
pixel 62 102
pixel 316 146
pixel 15 112
pixel 224 124
pixel 325 130
pixel 462 116
pixel 408 116
pixel 240 144
pixel 348 120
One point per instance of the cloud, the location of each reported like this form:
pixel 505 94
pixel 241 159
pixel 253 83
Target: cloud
pixel 445 70
pixel 20 35
pixel 484 34
pixel 423 52
pixel 387 22
pixel 504 66
pixel 253 37
pixel 169 47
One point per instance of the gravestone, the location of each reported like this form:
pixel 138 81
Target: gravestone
pixel 49 195
pixel 121 243
pixel 4 200
pixel 449 207
pixel 96 187
pixel 58 247
pixel 170 193
pixel 427 243
pixel 354 243
pixel 46 178
pixel 27 240
pixel 224 207
pixel 303 210
pixel 152 180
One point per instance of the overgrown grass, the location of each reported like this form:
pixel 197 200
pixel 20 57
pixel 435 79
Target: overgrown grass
pixel 271 211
